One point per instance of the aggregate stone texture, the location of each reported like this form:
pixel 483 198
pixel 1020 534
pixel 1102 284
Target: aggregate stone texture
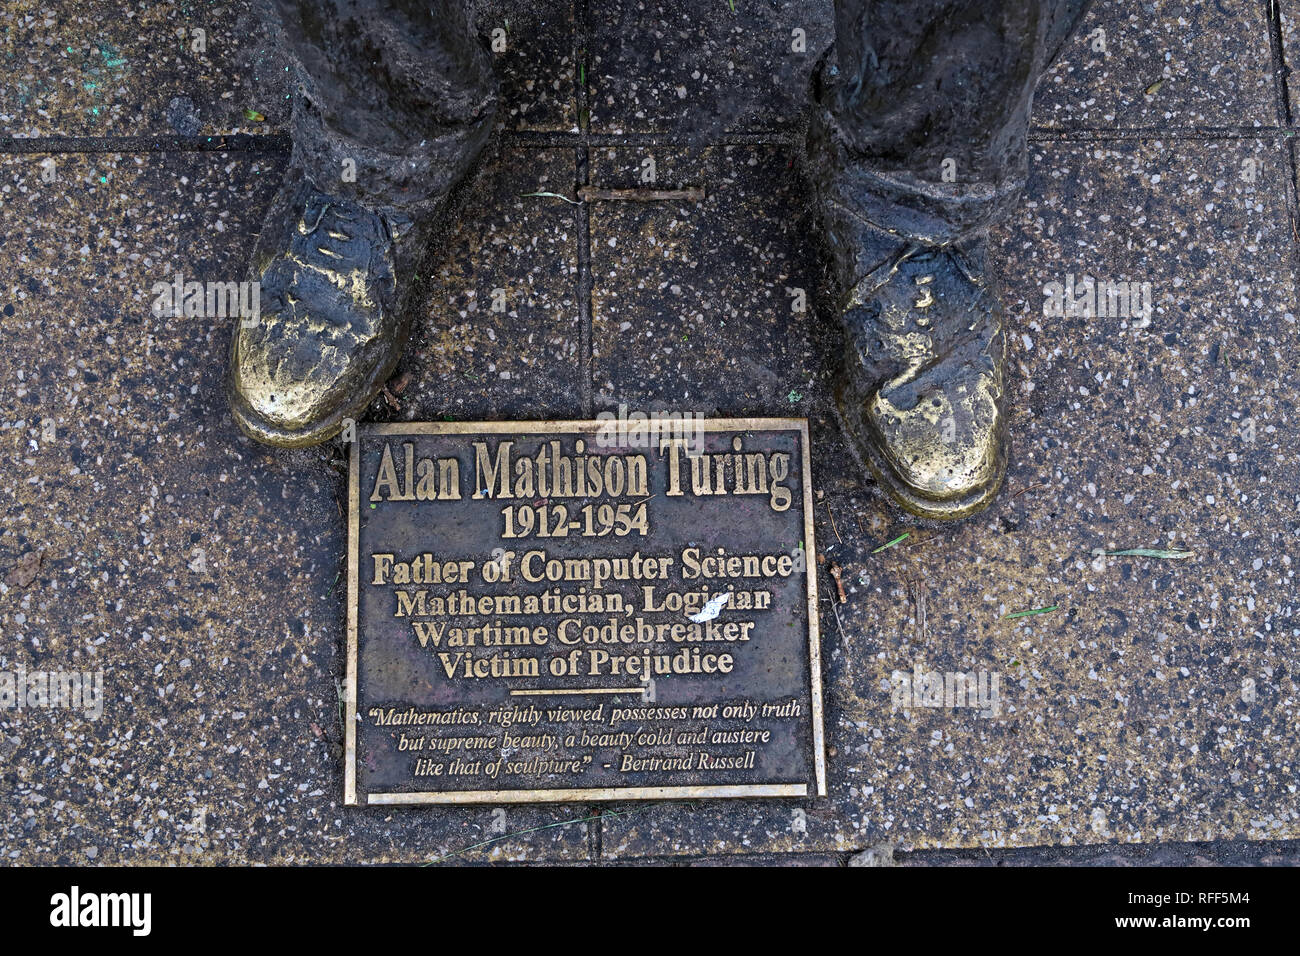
pixel 705 306
pixel 216 69
pixel 1289 19
pixel 1162 64
pixel 74 69
pixel 671 66
pixel 198 571
pixel 500 335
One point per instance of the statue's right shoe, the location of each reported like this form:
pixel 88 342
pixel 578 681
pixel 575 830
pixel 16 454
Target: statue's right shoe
pixel 921 389
pixel 920 396
pixel 331 330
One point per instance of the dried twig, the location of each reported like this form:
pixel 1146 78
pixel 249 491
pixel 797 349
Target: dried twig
pixel 839 582
pixel 833 528
pixel 590 193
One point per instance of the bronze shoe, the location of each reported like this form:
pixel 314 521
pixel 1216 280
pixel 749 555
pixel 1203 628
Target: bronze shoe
pixel 921 394
pixel 330 331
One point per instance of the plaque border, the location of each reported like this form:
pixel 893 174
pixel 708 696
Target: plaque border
pixel 576 794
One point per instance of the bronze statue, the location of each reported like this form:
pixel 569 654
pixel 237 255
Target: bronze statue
pixel 910 91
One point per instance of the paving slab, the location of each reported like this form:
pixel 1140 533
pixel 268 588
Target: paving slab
pixel 1156 702
pixel 1161 64
pixel 1222 853
pixel 674 67
pixel 150 69
pixel 537 70
pixel 501 334
pixel 147 71
pixel 648 68
pixel 1130 65
pixel 694 303
pixel 196 569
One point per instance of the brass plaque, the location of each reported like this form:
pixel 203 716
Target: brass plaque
pixel 623 608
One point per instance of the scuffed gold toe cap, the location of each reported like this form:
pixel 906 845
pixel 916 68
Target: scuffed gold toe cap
pixel 944 457
pixel 328 334
pixel 299 389
pixel 945 449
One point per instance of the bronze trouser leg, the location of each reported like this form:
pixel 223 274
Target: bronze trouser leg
pixel 916 145
pixel 404 89
pixel 924 81
pixel 394 103
pixel 401 87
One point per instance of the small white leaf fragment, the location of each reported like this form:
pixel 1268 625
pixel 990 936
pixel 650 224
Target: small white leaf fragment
pixel 711 609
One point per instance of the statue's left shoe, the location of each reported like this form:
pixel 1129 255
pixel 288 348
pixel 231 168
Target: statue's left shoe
pixel 331 328
pixel 921 390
